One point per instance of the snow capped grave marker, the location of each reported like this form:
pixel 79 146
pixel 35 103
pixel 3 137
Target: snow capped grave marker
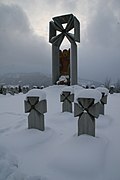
pixel 104 91
pixel 87 108
pixel 92 86
pixel 16 89
pixel 112 89
pixel 11 90
pixel 25 89
pixel 4 90
pixel 36 104
pixel 67 97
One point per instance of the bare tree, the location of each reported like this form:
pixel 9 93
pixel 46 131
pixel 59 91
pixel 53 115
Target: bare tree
pixel 107 83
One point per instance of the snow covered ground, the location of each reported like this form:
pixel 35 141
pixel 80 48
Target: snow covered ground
pixel 58 153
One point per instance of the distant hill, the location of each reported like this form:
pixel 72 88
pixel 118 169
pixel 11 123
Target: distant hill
pixel 30 79
pixel 35 79
pixel 88 82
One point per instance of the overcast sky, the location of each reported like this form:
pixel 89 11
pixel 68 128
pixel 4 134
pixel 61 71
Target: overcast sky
pixel 24 44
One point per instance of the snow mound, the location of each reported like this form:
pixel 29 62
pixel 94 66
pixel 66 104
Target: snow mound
pixel 8 164
pixel 103 90
pixel 9 168
pixel 36 93
pixel 89 93
pixel 25 140
pixel 68 89
pixel 83 156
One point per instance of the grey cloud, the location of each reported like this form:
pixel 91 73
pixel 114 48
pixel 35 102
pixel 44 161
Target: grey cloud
pixel 20 49
pixel 12 19
pixel 103 29
pixel 98 52
pixel 100 55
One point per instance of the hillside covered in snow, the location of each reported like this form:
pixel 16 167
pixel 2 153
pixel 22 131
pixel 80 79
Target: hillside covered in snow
pixel 58 153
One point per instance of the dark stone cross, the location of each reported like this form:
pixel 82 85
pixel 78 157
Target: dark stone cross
pixel 103 102
pixel 87 111
pixel 37 109
pixel 67 98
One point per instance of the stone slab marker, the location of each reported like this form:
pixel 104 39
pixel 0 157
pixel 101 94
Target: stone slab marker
pixel 37 106
pixel 67 98
pixel 87 110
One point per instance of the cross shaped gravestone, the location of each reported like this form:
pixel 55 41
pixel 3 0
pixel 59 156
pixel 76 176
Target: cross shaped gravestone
pixel 4 90
pixel 104 91
pixel 36 108
pixel 86 106
pixel 67 98
pixel 16 89
pixel 25 89
pixel 92 86
pixel 87 112
pixel 112 89
pixel 11 90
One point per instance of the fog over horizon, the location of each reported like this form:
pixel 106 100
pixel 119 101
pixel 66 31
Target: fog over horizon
pixel 24 36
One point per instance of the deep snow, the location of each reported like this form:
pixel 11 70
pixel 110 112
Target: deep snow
pixel 58 153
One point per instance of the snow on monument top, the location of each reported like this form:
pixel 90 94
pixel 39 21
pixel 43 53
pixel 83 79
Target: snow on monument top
pixel 103 90
pixel 36 93
pixel 90 93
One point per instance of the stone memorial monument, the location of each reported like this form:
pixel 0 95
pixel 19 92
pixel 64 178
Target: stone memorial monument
pixel 64 62
pixel 36 105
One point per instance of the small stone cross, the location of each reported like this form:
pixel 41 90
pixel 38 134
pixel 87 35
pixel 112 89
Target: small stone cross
pixel 67 98
pixel 37 109
pixel 87 111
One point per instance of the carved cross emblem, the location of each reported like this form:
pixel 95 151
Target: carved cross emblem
pixel 33 103
pixel 87 112
pixel 86 106
pixel 57 25
pixel 67 96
